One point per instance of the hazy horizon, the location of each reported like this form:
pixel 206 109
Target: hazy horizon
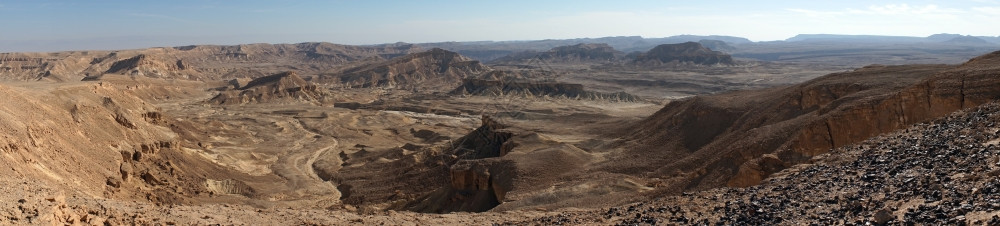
pixel 70 25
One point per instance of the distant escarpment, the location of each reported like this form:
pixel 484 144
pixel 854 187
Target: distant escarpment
pixel 688 52
pixel 717 45
pixel 286 86
pixel 967 40
pixel 583 52
pixel 196 62
pixel 536 88
pixel 739 138
pixel 425 70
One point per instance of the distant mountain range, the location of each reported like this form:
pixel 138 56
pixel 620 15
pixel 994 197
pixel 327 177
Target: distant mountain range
pixel 488 51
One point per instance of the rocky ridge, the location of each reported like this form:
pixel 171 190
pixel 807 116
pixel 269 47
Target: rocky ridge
pixel 196 62
pixel 425 70
pixel 286 86
pixel 537 88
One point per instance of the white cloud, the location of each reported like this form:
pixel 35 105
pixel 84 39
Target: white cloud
pixel 906 9
pixel 896 19
pixel 884 10
pixel 815 13
pixel 987 10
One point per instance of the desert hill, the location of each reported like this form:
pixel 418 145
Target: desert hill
pixel 285 86
pixel 688 52
pixel 435 68
pixel 738 138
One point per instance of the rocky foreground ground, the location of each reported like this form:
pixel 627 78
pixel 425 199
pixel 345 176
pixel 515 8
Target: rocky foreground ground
pixel 944 172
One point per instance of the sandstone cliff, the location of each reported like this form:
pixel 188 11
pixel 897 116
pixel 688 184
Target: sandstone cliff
pixel 478 178
pixel 739 138
pixel 464 174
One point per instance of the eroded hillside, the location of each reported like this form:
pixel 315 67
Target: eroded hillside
pixel 744 136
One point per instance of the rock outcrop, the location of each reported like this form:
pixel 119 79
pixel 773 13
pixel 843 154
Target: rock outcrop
pixel 688 52
pixel 425 70
pixel 287 86
pixel 476 179
pixel 739 138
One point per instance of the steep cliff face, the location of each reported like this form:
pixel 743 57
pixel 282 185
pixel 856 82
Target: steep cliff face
pixel 737 139
pixel 479 178
pixel 428 70
pixel 287 86
pixel 969 85
pixel 467 174
pixel 688 52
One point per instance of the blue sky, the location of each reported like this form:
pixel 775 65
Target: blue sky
pixel 103 24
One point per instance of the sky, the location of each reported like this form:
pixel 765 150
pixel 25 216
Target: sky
pixel 53 25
